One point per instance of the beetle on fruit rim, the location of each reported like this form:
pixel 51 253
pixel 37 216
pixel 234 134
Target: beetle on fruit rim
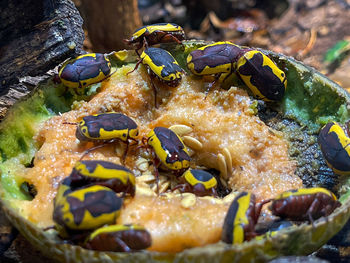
pixel 119 238
pixel 335 147
pixel 304 204
pixel 217 59
pixel 107 128
pixel 162 65
pixel 85 70
pixel 86 208
pixel 241 218
pixel 156 33
pixel 259 73
pixel 262 76
pixel 199 182
pixel 96 172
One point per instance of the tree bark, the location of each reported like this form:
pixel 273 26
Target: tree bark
pixel 108 22
pixel 35 36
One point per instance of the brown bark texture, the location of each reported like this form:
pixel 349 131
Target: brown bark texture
pixel 108 22
pixel 35 36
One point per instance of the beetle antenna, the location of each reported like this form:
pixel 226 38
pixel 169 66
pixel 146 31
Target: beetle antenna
pixel 94 148
pixel 111 53
pixel 49 228
pixel 70 123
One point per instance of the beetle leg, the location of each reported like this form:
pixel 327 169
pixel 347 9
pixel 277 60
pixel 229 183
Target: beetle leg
pixel 181 187
pixel 156 164
pixel 313 207
pixel 214 193
pixel 145 43
pixel 125 151
pixel 217 76
pixel 250 235
pixel 124 246
pixel 258 208
pixel 134 140
pixel 154 91
pixel 136 66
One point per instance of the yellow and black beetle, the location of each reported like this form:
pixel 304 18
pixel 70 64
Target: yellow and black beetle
pixel 86 208
pixel 156 33
pixel 262 76
pixel 335 147
pixel 197 181
pixel 96 172
pixel 214 59
pixel 119 238
pixel 106 127
pixel 304 204
pixel 85 70
pixel 169 149
pixel 162 65
pixel 241 218
pixel 217 58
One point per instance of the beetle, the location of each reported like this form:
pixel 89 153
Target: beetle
pixel 106 127
pixel 197 181
pixel 116 177
pixel 335 147
pixel 168 149
pixel 156 33
pixel 219 59
pixel 241 218
pixel 161 65
pixel 304 204
pixel 85 70
pixel 261 75
pixel 86 208
pixel 119 238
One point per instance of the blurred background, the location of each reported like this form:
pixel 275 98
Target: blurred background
pixel 316 32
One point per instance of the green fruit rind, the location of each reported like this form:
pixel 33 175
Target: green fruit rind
pixel 311 99
pixel 299 240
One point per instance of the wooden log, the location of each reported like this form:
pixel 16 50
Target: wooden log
pixel 35 36
pixel 109 22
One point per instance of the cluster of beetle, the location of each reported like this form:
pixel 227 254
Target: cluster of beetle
pixel 92 195
pixel 87 201
pixel 296 205
pixel 222 59
pixel 87 198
